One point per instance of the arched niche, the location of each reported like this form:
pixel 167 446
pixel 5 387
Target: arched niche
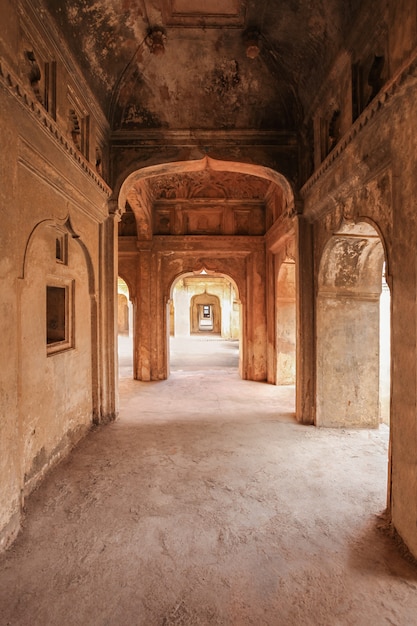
pixel 348 319
pixel 58 349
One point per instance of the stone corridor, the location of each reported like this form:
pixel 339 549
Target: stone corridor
pixel 206 503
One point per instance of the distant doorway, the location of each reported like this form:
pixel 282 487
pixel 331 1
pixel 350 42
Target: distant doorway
pixel 205 312
pixel 204 323
pixel 124 329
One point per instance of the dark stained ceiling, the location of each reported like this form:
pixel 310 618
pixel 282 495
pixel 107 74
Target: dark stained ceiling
pixel 204 80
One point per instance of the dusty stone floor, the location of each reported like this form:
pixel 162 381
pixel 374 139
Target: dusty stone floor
pixel 206 503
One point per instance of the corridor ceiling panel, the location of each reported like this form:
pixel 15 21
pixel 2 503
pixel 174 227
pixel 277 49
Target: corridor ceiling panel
pixel 204 64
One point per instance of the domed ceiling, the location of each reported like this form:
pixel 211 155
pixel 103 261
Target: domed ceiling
pixel 204 64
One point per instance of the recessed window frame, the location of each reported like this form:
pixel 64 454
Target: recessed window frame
pixel 61 247
pixel 66 310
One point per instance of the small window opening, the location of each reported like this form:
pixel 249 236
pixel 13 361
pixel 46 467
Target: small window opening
pixel 56 314
pixel 61 248
pixel 59 334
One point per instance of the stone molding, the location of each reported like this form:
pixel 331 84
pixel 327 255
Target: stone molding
pixel 45 34
pixel 381 99
pixel 281 140
pixel 211 242
pixel 278 235
pixel 14 87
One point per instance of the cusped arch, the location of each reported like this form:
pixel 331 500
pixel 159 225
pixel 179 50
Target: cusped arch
pixel 206 163
pixel 128 281
pixel 202 273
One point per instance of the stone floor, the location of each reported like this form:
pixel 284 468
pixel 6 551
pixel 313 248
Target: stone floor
pixel 206 503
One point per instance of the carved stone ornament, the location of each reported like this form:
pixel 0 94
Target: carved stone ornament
pixel 155 40
pixel 208 184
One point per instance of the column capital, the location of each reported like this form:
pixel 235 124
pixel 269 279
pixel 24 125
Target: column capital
pixel 114 210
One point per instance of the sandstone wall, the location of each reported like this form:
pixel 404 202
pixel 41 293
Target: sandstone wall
pixel 367 180
pixel 55 232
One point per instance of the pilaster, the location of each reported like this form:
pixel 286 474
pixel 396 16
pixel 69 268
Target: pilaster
pixel 305 369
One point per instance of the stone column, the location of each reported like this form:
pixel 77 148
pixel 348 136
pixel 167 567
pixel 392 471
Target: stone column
pixel 271 316
pixel 403 469
pixel 255 335
pixel 226 311
pixel 305 351
pixel 108 322
pixel 143 323
pixel 150 350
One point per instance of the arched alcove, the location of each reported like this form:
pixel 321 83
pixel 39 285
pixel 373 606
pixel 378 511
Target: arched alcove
pixel 348 328
pixel 58 349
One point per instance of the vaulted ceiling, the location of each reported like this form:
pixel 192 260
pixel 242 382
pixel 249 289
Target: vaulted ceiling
pixel 206 78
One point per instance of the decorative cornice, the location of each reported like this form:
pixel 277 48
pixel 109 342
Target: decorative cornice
pixel 13 85
pixel 196 137
pixel 381 99
pixel 34 14
pixel 215 243
pixel 279 233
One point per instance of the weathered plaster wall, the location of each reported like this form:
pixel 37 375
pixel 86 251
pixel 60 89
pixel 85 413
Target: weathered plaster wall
pixel 48 188
pixel 369 176
pixel 55 390
pixel 404 315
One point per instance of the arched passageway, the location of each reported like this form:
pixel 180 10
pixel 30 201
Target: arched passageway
pixel 204 322
pixel 205 314
pixel 188 217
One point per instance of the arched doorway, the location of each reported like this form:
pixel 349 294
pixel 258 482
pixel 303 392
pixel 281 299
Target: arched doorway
pixel 204 316
pixel 125 329
pixel 348 328
pixel 124 309
pixel 187 216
